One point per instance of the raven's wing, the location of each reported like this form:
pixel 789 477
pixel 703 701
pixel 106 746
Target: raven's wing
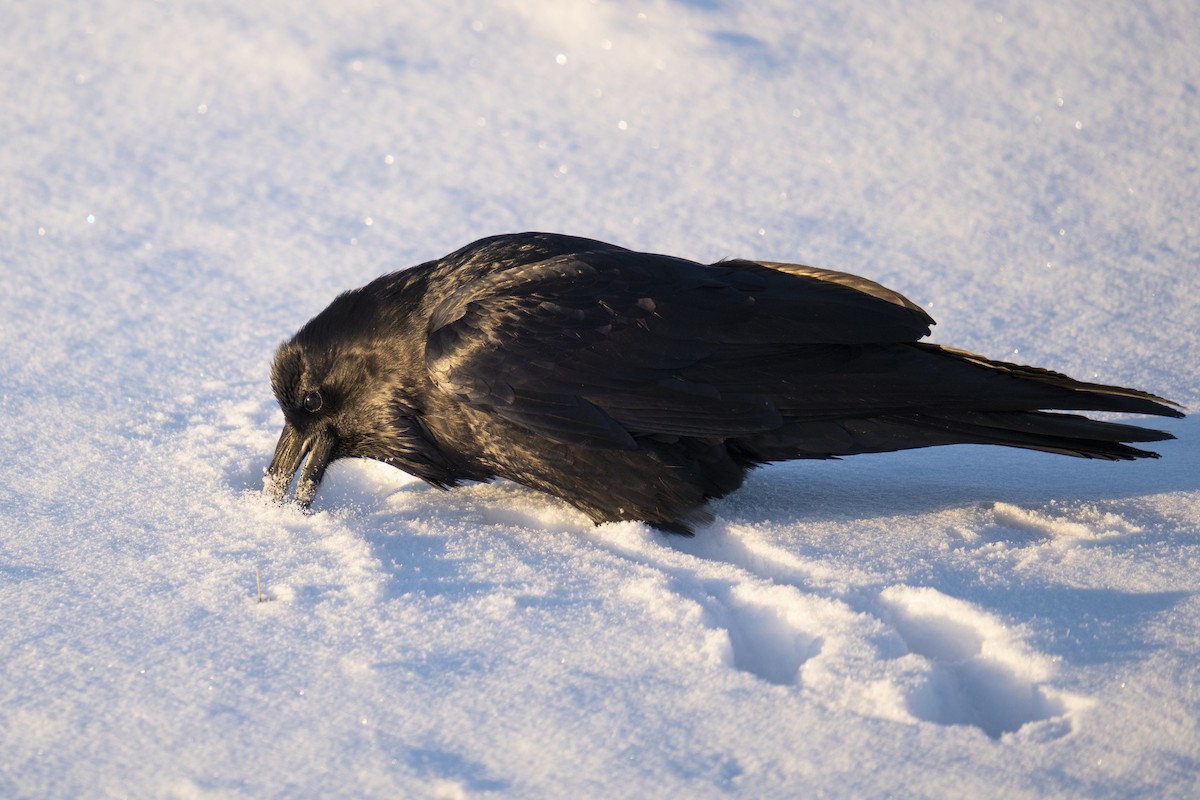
pixel 592 348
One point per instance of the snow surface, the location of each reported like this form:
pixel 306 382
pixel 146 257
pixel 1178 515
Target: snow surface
pixel 182 184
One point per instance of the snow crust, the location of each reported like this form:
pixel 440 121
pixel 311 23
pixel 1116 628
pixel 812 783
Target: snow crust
pixel 183 184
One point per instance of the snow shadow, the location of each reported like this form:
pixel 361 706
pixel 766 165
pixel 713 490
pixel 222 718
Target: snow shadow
pixel 938 478
pixel 1090 626
pixel 419 563
pixel 454 769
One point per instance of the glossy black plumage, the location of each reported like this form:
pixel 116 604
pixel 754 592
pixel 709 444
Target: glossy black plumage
pixel 637 386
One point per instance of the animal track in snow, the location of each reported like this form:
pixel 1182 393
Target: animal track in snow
pixel 906 654
pixel 953 663
pixel 980 671
pixel 765 628
pixel 768 634
pixel 1064 523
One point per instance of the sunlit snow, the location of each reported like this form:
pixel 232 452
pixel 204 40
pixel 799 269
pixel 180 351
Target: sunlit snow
pixel 183 184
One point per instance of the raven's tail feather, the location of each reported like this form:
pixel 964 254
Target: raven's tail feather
pixel 1065 434
pixel 991 402
pixel 1063 391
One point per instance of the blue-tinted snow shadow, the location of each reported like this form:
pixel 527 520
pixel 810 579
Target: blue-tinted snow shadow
pixel 933 479
pixel 12 574
pixel 1084 626
pixel 471 775
pixel 418 563
pixel 433 763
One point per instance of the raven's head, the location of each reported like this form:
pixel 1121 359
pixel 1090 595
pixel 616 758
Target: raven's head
pixel 347 391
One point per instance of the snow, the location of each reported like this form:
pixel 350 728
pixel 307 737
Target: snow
pixel 184 184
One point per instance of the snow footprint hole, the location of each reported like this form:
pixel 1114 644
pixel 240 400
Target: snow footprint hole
pixel 764 638
pixel 980 672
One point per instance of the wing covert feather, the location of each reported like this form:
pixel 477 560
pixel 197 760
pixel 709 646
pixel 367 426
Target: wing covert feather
pixel 594 348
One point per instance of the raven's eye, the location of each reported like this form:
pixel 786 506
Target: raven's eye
pixel 313 402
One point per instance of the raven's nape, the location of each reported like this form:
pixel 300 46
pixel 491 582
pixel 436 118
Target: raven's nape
pixel 314 452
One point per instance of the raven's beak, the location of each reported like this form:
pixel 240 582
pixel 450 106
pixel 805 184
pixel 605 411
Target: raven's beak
pixel 291 450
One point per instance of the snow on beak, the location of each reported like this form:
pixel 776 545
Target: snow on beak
pixel 290 453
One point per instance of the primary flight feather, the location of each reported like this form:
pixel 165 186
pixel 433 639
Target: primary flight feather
pixel 637 386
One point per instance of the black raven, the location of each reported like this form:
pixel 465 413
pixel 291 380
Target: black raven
pixel 637 386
